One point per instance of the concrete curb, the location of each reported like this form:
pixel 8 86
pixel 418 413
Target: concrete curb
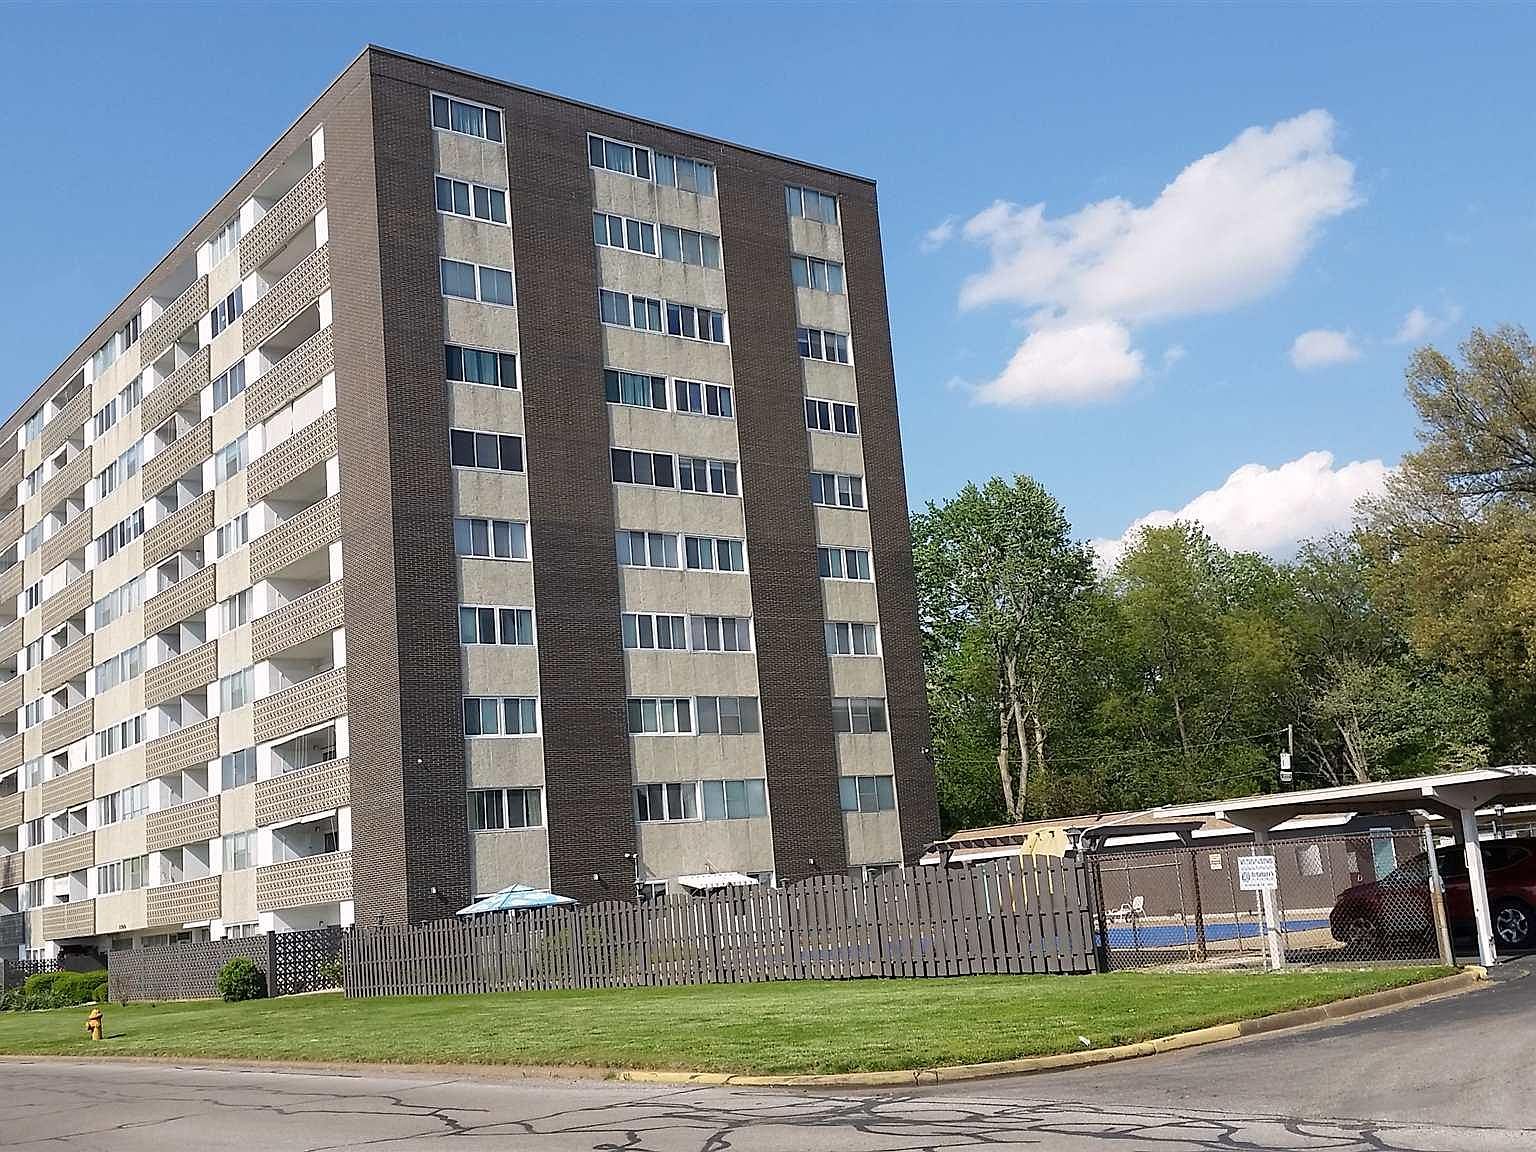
pixel 1464 981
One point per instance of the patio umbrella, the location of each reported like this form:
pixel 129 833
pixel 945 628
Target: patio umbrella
pixel 515 898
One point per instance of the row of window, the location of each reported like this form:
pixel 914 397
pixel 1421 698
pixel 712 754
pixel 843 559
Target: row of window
pixel 640 549
pixel 690 474
pixel 701 799
pixel 480 366
pixel 693 397
pixel 831 416
pixel 476 282
pixel 677 633
pixel 812 272
pixel 837 490
pixel 636 160
pixel 489 451
pixel 476 201
pixel 650 315
pixel 693 715
pixel 818 344
pixel 683 245
pixel 479 624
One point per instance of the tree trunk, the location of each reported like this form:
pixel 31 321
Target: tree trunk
pixel 1039 754
pixel 1010 671
pixel 1004 773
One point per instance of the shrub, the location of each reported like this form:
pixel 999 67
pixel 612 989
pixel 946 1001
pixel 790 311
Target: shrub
pixel 240 979
pixel 79 987
pixel 41 983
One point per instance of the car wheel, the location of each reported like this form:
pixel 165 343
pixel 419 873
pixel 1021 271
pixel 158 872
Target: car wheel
pixel 1513 924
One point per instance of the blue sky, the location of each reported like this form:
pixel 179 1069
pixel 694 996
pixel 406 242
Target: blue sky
pixel 1385 169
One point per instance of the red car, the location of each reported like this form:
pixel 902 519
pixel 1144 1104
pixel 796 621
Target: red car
pixel 1397 905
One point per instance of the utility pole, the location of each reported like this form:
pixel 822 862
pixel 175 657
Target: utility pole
pixel 1286 775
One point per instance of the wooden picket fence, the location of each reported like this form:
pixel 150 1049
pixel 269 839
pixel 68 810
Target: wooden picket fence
pixel 1009 916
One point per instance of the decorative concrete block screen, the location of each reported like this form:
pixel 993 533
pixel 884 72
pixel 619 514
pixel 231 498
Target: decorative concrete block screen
pixel 1011 916
pixel 292 962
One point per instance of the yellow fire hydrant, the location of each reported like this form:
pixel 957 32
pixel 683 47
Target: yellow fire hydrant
pixel 93 1024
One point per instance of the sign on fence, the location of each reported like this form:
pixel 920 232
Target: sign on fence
pixel 1011 916
pixel 1257 874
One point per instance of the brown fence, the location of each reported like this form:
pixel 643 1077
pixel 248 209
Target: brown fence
pixel 1338 899
pixel 291 962
pixel 1009 917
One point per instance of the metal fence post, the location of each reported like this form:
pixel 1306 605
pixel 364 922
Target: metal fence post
pixel 1437 900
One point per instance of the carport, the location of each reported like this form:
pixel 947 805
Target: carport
pixel 1457 797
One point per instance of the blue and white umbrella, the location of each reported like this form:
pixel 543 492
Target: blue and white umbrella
pixel 515 898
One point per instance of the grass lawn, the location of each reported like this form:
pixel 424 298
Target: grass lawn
pixel 787 1028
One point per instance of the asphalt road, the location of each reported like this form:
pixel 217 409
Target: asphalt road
pixel 1452 1076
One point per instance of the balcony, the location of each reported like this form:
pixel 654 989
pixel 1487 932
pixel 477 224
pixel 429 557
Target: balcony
pixel 190 747
pixel 62 667
pixel 10 639
pixel 318 526
pixel 305 449
pixel 185 903
pixel 13 469
pixel 195 669
pixel 178 458
pixel 307 792
pixel 67 481
pixel 71 600
pixel 305 705
pixel 292 376
pixel 182 599
pixel 11 809
pixel 297 208
pixel 64 729
pixel 67 541
pixel 11 526
pixel 177 532
pixel 183 824
pixel 62 921
pixel 10 587
pixel 167 328
pixel 67 790
pixel 324 879
pixel 311 615
pixel 12 870
pixel 175 391
pixel 68 421
pixel 13 929
pixel 301 287
pixel 68 855
pixel 12 752
pixel 13 694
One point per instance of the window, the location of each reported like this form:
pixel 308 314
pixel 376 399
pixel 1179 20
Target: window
pixel 815 344
pixel 810 204
pixel 478 625
pixel 129 804
pixel 490 539
pixel 734 799
pixel 32 595
pixel 663 716
pixel 35 835
pixel 229 384
pixel 655 803
pixel 822 275
pixel 500 809
pixel 242 931
pixel 119 669
pixel 693 323
pixel 125 466
pixel 34 425
pixel 690 247
pixel 479 366
pixel 120 736
pixel 469 119
pixel 703 399
pixel 459 198
pixel 689 175
pixel 230 459
pixel 636 467
pixel 118 602
pixel 728 715
pixel 237 769
pixel 858 714
pixel 715 554
pixel 235 534
pixel 831 416
pixel 120 535
pixel 610 231
pixel 720 633
pixel 102 422
pixel 715 477
pixel 460 279
pixel 122 875
pixel 224 241
pixel 31 482
pixel 629 311
pixel 847 639
pixel 630 159
pixel 234 611
pixel 837 490
pixel 501 716
pixel 227 310
pixel 132 394
pixel 867 793
pixel 842 563
pixel 634 389
pixel 649 630
pixel 239 851
pixel 492 451
pixel 235 690
pixel 646 549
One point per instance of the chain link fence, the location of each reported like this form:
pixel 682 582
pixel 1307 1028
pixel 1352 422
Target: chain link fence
pixel 1337 900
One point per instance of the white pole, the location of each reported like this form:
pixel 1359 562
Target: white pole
pixel 1477 881
pixel 1267 908
pixel 1437 900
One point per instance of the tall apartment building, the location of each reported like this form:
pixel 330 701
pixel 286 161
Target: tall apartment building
pixel 490 488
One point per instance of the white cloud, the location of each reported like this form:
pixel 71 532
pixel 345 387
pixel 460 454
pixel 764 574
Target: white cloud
pixel 1263 509
pixel 1420 325
pixel 1069 365
pixel 939 235
pixel 1322 347
pixel 1229 228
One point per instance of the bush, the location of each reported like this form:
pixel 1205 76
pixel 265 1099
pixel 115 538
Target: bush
pixel 41 983
pixel 240 979
pixel 80 987
pixel 56 990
